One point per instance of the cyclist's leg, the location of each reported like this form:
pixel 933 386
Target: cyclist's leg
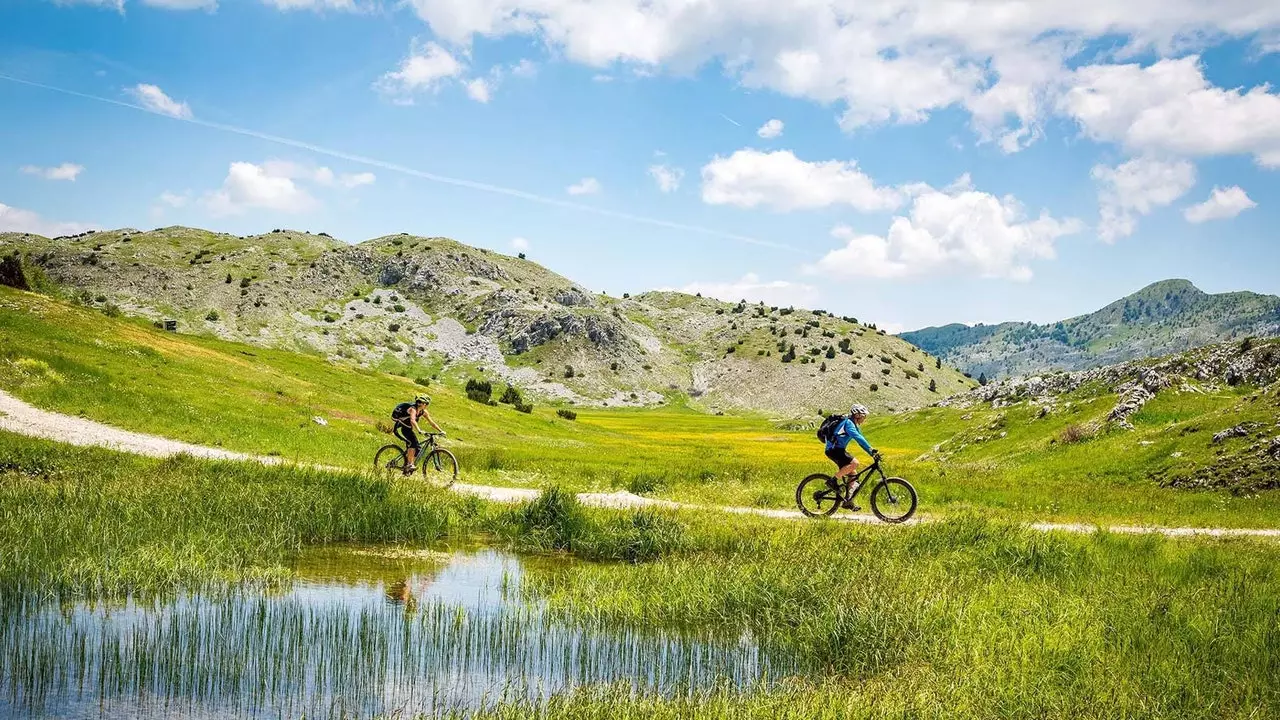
pixel 405 433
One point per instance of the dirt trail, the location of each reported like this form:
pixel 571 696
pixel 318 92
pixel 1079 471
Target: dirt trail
pixel 20 417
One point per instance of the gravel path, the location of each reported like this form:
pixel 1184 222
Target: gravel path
pixel 22 418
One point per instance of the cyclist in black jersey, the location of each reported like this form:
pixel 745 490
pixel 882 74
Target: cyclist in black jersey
pixel 406 415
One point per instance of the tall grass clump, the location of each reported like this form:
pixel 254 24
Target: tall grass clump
pixel 81 522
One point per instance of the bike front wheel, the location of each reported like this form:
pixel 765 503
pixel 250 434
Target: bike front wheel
pixel 894 500
pixel 440 468
pixel 389 460
pixel 817 495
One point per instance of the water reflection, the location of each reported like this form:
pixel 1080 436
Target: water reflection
pixel 365 631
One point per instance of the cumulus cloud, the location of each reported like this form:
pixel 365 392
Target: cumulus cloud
pixel 1223 203
pixel 312 4
pixel 950 231
pixel 65 171
pixel 175 200
pixel 478 89
pixel 155 100
pixel 780 180
pixel 1169 107
pixel 424 69
pixel 770 129
pixel 17 220
pixel 667 178
pixel 1135 188
pixel 265 187
pixel 320 175
pixel 886 61
pixel 520 244
pixel 752 289
pixel 586 186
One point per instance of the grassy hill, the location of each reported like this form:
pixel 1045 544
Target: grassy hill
pixel 1164 317
pixel 1053 449
pixel 432 307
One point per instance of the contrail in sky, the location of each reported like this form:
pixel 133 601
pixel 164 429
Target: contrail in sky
pixel 726 117
pixel 392 167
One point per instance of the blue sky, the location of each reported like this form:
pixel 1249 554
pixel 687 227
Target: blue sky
pixel 908 162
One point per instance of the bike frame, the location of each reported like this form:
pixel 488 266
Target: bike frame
pixel 428 444
pixel 858 476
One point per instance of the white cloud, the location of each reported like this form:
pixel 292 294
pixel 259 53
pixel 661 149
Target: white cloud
pixel 17 220
pixel 520 244
pixel 668 178
pixel 770 129
pixel 65 171
pixel 524 69
pixel 1223 203
pixel 884 61
pixel 1136 188
pixel 154 99
pixel 355 180
pixel 779 179
pixel 423 70
pixel 320 175
pixel 478 89
pixel 752 289
pixel 267 187
pixel 117 5
pixel 587 186
pixel 1169 107
pixel 950 231
pixel 175 200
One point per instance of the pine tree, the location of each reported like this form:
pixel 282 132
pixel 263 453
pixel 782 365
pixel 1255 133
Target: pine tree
pixel 933 385
pixel 982 378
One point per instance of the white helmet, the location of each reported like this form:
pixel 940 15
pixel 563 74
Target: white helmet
pixel 859 409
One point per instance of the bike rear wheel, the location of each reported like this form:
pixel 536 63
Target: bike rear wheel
pixel 894 500
pixel 440 468
pixel 817 495
pixel 388 460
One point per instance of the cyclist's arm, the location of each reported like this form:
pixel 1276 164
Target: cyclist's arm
pixel 856 435
pixel 433 422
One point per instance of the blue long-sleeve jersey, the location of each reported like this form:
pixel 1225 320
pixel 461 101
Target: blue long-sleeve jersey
pixel 844 433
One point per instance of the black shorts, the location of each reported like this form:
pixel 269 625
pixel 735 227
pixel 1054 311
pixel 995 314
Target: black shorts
pixel 406 433
pixel 839 456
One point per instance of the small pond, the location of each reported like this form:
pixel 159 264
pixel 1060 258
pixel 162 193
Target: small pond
pixel 362 631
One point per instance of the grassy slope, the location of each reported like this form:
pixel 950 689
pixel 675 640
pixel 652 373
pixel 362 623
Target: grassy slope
pixel 304 292
pixel 964 619
pixel 204 390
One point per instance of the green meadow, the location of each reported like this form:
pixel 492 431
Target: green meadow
pixel 965 618
pixel 1004 463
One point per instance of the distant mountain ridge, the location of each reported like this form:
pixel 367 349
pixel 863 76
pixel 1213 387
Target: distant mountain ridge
pixel 1164 317
pixel 432 306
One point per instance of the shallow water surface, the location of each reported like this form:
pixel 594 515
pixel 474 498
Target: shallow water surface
pixel 363 631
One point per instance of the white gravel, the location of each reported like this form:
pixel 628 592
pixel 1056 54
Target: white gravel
pixel 22 418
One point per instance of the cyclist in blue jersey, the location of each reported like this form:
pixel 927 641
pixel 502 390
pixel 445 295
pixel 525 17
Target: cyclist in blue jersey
pixel 844 433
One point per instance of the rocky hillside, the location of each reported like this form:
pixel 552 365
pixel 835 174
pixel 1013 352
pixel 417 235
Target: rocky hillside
pixel 1165 317
pixel 433 307
pixel 1223 399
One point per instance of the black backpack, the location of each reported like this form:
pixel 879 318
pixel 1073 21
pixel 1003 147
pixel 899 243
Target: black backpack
pixel 828 427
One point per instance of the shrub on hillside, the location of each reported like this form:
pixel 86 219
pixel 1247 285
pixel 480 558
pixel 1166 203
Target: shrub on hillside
pixel 511 396
pixel 567 414
pixel 526 408
pixel 425 382
pixel 1072 434
pixel 479 390
pixel 212 316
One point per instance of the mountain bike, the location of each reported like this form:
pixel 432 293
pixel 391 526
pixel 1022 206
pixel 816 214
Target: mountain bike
pixel 893 499
pixel 439 466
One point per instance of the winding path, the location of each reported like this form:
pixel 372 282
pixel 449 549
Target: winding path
pixel 22 418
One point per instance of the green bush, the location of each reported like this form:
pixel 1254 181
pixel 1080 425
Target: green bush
pixel 212 316
pixel 567 414
pixel 479 390
pixel 511 396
